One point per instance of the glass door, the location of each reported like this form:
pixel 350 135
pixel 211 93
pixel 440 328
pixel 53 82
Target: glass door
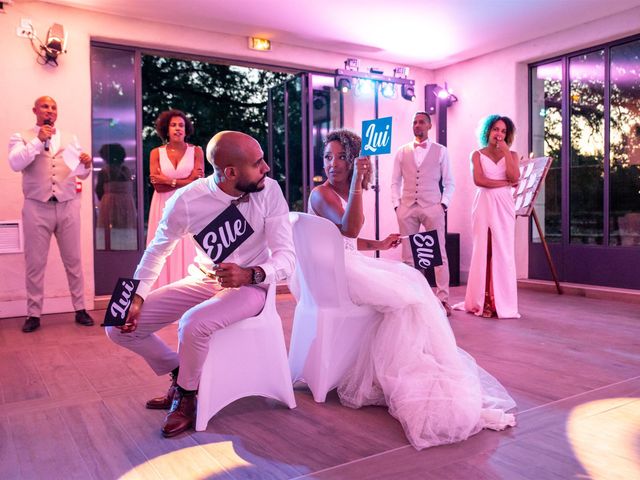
pixel 301 112
pixel 116 191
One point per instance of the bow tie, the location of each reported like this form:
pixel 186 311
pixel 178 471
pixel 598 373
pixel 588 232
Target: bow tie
pixel 420 145
pixel 241 199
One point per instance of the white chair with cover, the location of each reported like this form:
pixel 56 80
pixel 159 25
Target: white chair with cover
pixel 246 358
pixel 327 325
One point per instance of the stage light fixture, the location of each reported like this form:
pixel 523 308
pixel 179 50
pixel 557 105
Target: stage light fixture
pixel 343 84
pixel 388 90
pixel 407 91
pixel 401 72
pixel 431 97
pixel 443 94
pixel 434 93
pixel 352 64
pixel 365 86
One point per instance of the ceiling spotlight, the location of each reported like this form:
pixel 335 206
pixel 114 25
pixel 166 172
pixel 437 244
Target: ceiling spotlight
pixel 343 84
pixel 352 64
pixel 388 90
pixel 401 72
pixel 407 91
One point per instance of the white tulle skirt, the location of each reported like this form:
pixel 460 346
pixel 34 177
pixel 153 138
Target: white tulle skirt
pixel 410 361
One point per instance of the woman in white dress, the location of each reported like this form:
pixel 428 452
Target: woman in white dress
pixel 172 166
pixel 409 359
pixel 492 288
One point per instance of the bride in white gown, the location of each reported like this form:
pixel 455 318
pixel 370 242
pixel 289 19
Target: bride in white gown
pixel 409 359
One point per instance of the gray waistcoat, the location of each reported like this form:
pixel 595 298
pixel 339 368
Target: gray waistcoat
pixel 48 175
pixel 421 184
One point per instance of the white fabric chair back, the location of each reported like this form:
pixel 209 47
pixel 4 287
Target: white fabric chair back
pixel 320 266
pixel 327 326
pixel 246 358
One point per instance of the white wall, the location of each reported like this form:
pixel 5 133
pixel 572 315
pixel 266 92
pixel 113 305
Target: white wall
pixel 23 80
pixel 498 83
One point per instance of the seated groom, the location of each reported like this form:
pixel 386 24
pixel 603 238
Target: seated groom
pixel 200 305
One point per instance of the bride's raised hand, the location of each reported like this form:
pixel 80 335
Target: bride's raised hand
pixel 362 172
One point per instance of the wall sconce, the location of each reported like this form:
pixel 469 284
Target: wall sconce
pixel 49 50
pixel 261 44
pixel 55 44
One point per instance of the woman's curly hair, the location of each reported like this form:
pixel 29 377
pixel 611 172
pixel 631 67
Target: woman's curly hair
pixel 485 125
pixel 351 142
pixel 162 123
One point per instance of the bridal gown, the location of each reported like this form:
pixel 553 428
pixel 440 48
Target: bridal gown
pixel 409 360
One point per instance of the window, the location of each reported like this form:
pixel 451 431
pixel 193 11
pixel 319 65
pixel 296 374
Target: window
pixel 585 114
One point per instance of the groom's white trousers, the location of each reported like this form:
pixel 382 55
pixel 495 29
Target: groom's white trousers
pixel 201 308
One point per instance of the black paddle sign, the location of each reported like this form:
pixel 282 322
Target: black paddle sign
pixel 224 234
pixel 120 302
pixel 425 249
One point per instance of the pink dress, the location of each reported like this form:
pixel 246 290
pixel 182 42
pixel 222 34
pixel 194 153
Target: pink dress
pixel 177 263
pixel 493 209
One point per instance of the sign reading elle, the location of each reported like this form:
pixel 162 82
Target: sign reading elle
pixel 376 137
pixel 120 302
pixel 425 248
pixel 224 234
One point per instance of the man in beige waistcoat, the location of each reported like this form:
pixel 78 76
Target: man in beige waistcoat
pixel 418 169
pixel 51 206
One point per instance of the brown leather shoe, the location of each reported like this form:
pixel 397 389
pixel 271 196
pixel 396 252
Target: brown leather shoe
pixel 83 318
pixel 447 308
pixel 164 402
pixel 31 324
pixel 181 416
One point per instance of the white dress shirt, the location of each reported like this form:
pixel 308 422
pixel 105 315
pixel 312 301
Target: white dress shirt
pixel 420 153
pixel 193 207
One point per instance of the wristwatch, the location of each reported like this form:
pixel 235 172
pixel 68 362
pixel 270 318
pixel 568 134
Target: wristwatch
pixel 257 275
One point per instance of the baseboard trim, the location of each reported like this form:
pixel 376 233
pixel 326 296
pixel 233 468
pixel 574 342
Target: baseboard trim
pixel 583 290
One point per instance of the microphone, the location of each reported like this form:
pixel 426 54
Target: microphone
pixel 46 121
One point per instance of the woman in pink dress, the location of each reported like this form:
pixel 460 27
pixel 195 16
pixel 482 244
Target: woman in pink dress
pixel 173 166
pixel 492 287
pixel 409 360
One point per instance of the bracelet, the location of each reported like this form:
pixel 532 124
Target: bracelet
pixel 173 183
pixel 355 192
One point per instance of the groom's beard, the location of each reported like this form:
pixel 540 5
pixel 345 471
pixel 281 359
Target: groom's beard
pixel 250 187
